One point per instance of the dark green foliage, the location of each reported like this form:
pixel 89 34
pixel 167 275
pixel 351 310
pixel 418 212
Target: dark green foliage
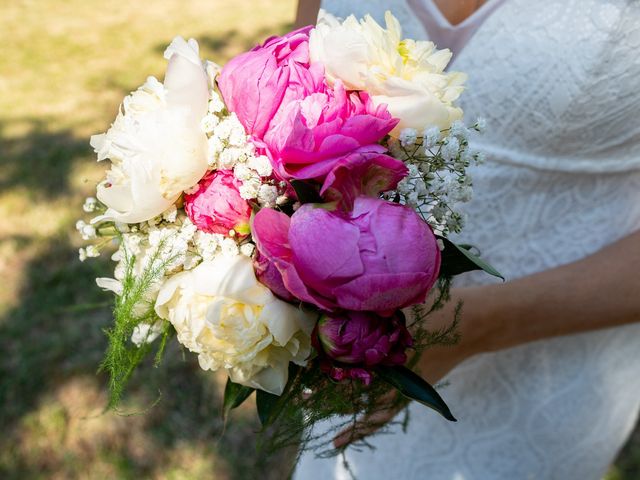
pixel 413 386
pixel 306 192
pixel 234 396
pixel 457 259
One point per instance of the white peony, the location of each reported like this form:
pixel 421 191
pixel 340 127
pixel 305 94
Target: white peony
pixel 221 312
pixel 156 145
pixel 406 75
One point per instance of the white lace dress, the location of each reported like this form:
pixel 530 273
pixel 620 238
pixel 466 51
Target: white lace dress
pixel 559 84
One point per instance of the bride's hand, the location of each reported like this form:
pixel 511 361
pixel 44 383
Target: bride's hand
pixel 433 365
pixel 599 291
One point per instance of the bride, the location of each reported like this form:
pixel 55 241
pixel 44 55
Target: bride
pixel 546 379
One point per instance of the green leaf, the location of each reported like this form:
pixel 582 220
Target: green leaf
pixel 413 386
pixel 306 192
pixel 457 259
pixel 234 395
pixel 265 403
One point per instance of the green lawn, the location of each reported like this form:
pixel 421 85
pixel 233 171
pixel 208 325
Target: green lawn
pixel 64 67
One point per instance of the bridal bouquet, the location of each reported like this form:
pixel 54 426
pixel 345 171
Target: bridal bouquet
pixel 285 217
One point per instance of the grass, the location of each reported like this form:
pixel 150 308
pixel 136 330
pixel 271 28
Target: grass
pixel 64 67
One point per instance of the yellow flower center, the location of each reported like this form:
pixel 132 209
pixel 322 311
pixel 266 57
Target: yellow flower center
pixel 404 51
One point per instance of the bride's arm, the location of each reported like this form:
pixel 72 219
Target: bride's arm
pixel 599 291
pixel 307 12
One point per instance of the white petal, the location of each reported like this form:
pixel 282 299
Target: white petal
pixel 110 284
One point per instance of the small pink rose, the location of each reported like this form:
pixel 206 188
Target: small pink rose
pixel 217 207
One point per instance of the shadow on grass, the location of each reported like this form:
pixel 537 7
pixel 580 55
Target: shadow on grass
pixel 40 160
pixel 52 344
pixel 55 335
pixel 233 41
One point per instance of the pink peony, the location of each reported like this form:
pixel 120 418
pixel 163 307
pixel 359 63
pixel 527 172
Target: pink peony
pixel 257 83
pixel 361 173
pixel 364 338
pixel 351 343
pixel 379 257
pixel 217 207
pixel 269 275
pixel 310 135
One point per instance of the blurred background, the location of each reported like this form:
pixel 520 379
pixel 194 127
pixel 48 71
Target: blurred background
pixel 65 65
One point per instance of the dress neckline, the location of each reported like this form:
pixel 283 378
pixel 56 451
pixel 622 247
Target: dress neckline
pixel 476 17
pixel 442 32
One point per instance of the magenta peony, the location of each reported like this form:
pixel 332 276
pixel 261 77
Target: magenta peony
pixel 363 173
pixel 269 275
pixel 216 206
pixel 257 83
pixel 312 134
pixel 364 338
pixel 378 257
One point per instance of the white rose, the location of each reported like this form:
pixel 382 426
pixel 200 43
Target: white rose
pixel 221 312
pixel 156 146
pixel 406 75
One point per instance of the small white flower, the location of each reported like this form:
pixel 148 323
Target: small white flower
pixel 459 130
pixel 250 188
pixel 450 149
pixel 412 199
pixel 229 156
pixel 224 128
pixel 408 136
pixel 247 249
pixel 481 124
pixel 267 195
pixel 229 247
pixel 82 254
pixel 261 164
pixel 243 172
pixel 214 147
pixel 209 122
pixel 216 105
pixel 188 230
pixel 88 232
pixel 90 205
pixel 92 251
pixel 146 333
pixel 480 157
pixel 404 186
pixel 170 214
pixel 207 244
pixel 238 137
pixel 431 137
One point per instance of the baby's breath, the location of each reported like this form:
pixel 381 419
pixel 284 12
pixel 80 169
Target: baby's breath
pixel 438 179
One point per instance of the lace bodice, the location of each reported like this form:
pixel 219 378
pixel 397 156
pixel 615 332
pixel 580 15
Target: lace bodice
pixel 557 82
